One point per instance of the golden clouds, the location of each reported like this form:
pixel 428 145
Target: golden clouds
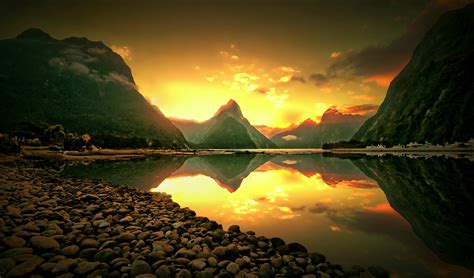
pixel 123 51
pixel 335 55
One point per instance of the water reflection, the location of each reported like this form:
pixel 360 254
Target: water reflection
pixel 332 205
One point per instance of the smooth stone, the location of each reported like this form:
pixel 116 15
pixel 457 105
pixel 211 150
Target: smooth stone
pixel 184 273
pixel 89 243
pixel 212 261
pixel 297 248
pixel 25 268
pixel 64 265
pixel 234 229
pixel 233 268
pixel 198 264
pixel 44 243
pixel 101 224
pixel 277 262
pixel 16 252
pixel 265 271
pixel 317 258
pixel 47 267
pixel 277 242
pixel 14 242
pixel 163 272
pixel 126 237
pixel 70 251
pixel 219 251
pixel 139 267
pixel 85 267
pixel 126 219
pixel 104 255
pixel 88 253
pixel 301 261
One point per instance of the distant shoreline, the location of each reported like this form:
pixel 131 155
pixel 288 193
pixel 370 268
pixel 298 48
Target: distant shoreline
pixel 113 154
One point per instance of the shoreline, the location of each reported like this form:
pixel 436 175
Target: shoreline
pixel 119 154
pixel 52 224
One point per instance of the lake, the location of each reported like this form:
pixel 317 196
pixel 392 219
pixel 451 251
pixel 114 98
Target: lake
pixel 411 215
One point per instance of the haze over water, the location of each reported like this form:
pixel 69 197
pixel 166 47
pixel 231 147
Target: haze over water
pixel 408 215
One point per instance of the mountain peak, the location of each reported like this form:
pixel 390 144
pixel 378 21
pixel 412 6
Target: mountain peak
pixel 308 122
pixel 34 33
pixel 334 116
pixel 231 107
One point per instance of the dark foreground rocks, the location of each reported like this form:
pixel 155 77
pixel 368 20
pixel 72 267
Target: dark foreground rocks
pixel 51 225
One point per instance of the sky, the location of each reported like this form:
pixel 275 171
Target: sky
pixel 283 61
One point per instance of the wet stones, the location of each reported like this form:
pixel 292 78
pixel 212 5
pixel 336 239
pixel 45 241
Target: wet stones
pixel 14 242
pixel 68 227
pixel 277 242
pixel 198 264
pixel 44 243
pixel 64 266
pixel 297 248
pixel 126 237
pixel 70 251
pixel 25 268
pixel 139 267
pixel 234 229
pixel 89 243
pixel 85 267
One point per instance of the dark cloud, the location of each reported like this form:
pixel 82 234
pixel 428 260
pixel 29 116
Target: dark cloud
pixel 390 58
pixel 319 79
pixel 298 79
pixel 320 208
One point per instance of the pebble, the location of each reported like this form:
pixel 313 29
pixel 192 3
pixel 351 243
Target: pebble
pixel 70 251
pixel 232 268
pixel 25 268
pixel 14 242
pixel 198 264
pixel 84 268
pixel 44 243
pixel 63 266
pixel 139 267
pixel 85 228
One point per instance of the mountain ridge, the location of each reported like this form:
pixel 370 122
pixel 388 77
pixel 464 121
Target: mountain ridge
pixel 81 84
pixel 228 120
pixel 334 126
pixel 432 97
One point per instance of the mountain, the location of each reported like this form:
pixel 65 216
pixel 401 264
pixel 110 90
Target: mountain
pixel 334 126
pixel 432 99
pixel 81 84
pixel 270 131
pixel 145 173
pixel 227 129
pixel 228 171
pixel 435 196
pixel 335 172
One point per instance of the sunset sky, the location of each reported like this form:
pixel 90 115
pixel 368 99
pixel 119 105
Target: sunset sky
pixel 282 61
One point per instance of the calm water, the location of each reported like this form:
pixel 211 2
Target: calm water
pixel 412 216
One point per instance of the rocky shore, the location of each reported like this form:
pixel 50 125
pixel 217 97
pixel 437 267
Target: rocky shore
pixel 53 225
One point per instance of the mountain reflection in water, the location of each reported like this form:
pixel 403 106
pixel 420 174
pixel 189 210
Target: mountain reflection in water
pixel 412 216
